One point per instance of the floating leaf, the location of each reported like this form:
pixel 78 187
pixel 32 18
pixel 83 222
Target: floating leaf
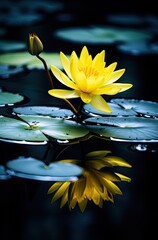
pixel 139 48
pixel 126 19
pixel 31 62
pixel 100 35
pixel 147 108
pixel 31 168
pixel 116 110
pixel 124 128
pixel 8 98
pixel 8 45
pixel 36 128
pixel 44 110
pixel 6 71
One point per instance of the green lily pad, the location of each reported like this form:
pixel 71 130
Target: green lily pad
pixel 8 98
pixel 132 129
pixel 31 62
pixel 117 110
pixel 102 35
pixel 31 168
pixel 7 45
pixel 6 71
pixel 146 108
pixel 36 128
pixel 44 111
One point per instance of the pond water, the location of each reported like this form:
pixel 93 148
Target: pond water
pixel 30 145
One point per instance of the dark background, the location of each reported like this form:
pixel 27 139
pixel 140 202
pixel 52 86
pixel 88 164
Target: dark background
pixel 26 211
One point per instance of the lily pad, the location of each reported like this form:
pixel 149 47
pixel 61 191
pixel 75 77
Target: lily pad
pixel 9 99
pixel 146 108
pixel 102 35
pixel 31 168
pixel 6 71
pixel 17 18
pixel 7 45
pixel 116 110
pixel 139 48
pixel 130 129
pixel 36 129
pixel 44 111
pixel 31 62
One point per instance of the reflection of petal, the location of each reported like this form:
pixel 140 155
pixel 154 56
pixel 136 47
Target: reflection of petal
pixel 96 183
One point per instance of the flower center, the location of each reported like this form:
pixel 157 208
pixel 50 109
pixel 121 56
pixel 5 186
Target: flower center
pixel 90 71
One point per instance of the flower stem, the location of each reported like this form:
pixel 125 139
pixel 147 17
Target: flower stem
pixel 47 71
pixel 72 107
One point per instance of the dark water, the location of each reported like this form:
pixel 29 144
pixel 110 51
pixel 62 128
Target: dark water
pixel 26 211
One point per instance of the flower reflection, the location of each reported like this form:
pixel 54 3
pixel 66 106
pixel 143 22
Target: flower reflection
pixel 97 183
pixel 89 79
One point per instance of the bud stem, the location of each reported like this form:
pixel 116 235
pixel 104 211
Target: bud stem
pixel 51 82
pixel 47 71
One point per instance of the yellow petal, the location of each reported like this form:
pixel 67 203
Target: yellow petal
pixel 65 63
pixel 84 55
pixel 86 98
pixel 115 76
pixel 97 164
pixel 62 77
pixel 60 93
pixel 98 61
pixel 64 198
pixel 96 198
pixel 82 204
pixel 117 161
pixel 123 177
pixel 112 89
pixel 60 191
pixel 54 187
pixel 100 104
pixel 111 187
pixel 98 153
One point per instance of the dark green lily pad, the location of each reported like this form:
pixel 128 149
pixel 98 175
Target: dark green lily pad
pixel 6 45
pixel 102 35
pixel 31 62
pixel 35 169
pixel 9 99
pixel 146 108
pixel 44 111
pixel 36 128
pixel 6 71
pixel 132 129
pixel 116 110
pixel 139 48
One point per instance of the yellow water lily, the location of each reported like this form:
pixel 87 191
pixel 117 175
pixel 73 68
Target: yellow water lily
pixel 97 182
pixel 88 78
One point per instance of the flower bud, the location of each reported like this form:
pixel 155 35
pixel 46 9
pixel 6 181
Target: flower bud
pixel 35 46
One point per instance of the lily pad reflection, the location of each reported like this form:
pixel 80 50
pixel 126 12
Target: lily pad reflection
pixel 36 129
pixel 130 129
pixel 3 174
pixel 35 169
